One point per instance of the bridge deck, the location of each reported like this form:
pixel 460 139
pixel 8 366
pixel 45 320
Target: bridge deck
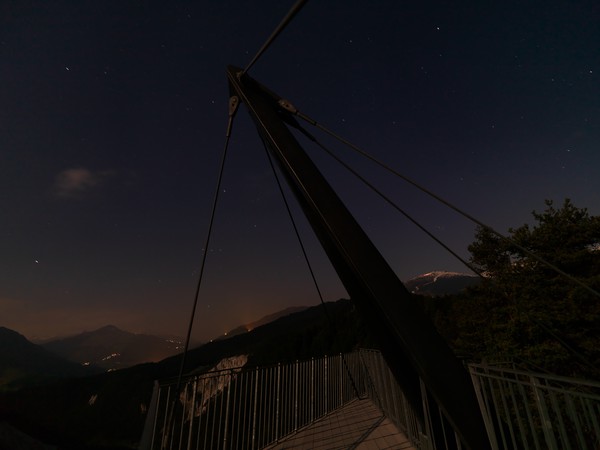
pixel 358 425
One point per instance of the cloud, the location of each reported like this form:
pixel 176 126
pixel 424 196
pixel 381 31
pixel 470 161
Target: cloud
pixel 77 181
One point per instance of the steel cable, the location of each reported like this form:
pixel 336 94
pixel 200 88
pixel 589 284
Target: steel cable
pixel 286 20
pixel 307 260
pixel 358 150
pixel 233 106
pixel 544 327
pixel 391 202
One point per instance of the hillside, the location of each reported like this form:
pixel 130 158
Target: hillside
pixel 263 321
pixel 64 414
pixel 111 348
pixel 24 363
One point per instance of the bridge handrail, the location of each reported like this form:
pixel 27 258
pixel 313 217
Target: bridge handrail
pixel 253 408
pixel 535 410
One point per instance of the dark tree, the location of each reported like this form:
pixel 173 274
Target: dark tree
pixel 526 311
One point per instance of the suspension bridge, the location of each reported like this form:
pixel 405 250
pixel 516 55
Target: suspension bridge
pixel 413 393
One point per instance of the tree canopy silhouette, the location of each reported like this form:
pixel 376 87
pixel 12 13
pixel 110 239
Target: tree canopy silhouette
pixel 525 311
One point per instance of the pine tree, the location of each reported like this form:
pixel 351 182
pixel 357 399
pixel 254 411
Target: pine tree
pixel 524 310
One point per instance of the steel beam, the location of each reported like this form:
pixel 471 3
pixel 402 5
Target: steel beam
pixel 410 344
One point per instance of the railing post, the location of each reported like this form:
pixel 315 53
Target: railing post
pixel 325 373
pixel 341 402
pixel 296 399
pixel 212 388
pixel 149 433
pixel 276 437
pixel 227 410
pixel 312 389
pixel 573 413
pixel 169 425
pixel 189 446
pixel 485 413
pixel 543 410
pixel 236 424
pixel 288 399
pixel 254 409
pixel 185 395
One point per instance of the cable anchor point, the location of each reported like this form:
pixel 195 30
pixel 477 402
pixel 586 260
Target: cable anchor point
pixel 287 105
pixel 234 102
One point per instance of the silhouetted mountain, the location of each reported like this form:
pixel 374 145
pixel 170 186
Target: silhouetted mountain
pixel 263 321
pixel 110 408
pixel 435 284
pixel 112 348
pixel 23 363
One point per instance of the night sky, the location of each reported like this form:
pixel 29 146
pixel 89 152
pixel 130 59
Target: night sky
pixel 112 124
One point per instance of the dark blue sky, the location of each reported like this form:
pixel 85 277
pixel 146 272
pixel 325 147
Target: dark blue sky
pixel 112 121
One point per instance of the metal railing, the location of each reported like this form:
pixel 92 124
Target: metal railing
pixel 420 429
pixel 383 389
pixel 253 408
pixel 524 410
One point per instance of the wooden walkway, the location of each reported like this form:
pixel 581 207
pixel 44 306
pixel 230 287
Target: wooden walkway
pixel 359 425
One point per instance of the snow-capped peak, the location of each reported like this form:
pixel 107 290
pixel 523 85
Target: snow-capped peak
pixel 437 274
pixel 440 283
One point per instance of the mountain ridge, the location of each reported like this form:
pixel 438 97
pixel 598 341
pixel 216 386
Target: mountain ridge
pixel 110 348
pixel 22 362
pixel 245 328
pixel 120 398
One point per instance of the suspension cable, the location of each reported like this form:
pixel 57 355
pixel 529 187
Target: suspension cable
pixel 539 323
pixel 390 202
pixel 308 264
pixel 233 106
pixel 296 231
pixel 289 107
pixel 286 20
